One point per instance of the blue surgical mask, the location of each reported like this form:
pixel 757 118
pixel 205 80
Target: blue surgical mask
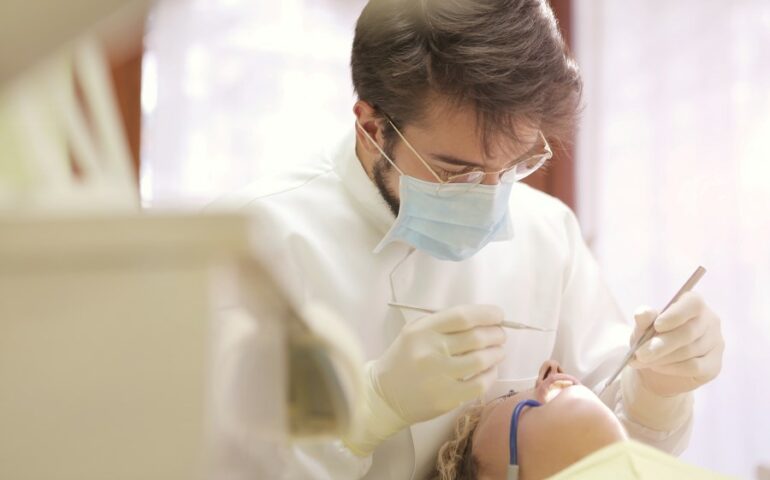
pixel 450 221
pixel 513 462
pixel 453 224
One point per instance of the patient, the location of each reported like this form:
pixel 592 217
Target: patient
pixel 559 423
pixel 571 423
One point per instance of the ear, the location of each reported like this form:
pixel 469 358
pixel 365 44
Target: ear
pixel 368 119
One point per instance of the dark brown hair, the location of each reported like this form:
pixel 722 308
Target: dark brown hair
pixel 503 58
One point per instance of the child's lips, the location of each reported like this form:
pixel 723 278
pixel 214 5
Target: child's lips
pixel 554 385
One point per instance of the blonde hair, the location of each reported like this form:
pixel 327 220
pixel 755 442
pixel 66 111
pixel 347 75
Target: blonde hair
pixel 455 458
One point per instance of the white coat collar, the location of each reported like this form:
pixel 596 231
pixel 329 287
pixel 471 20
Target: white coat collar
pixel 364 193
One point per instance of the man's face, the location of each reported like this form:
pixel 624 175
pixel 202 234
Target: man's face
pixel 449 140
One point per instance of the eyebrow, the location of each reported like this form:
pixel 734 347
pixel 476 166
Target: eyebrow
pixel 454 160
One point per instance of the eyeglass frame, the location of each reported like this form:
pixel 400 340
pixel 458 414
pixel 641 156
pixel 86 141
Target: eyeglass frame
pixel 546 155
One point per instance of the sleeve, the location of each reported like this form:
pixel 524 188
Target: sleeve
pixel 591 342
pixel 327 461
pixel 248 437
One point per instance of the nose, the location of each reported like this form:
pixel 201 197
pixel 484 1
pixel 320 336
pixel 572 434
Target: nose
pixel 491 179
pixel 548 368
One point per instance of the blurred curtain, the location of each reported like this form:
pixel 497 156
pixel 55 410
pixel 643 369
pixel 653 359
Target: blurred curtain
pixel 674 171
pixel 238 89
pixel 558 178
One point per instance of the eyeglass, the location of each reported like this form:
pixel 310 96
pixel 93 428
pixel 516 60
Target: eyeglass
pixel 521 168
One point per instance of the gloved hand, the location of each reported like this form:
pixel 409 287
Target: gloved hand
pixel 686 351
pixel 436 363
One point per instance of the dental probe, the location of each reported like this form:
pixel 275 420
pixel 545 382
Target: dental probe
pixel 650 332
pixel 505 323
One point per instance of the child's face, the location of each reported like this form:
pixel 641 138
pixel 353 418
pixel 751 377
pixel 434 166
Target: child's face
pixel 571 423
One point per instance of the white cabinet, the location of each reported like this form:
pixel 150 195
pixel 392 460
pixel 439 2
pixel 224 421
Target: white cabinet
pixel 106 328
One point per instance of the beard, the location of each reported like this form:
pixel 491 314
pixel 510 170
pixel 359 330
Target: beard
pixel 380 174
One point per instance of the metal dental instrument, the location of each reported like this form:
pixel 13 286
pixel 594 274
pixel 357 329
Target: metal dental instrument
pixel 505 323
pixel 650 332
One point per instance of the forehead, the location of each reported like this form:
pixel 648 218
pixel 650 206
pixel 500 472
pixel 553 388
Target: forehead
pixel 448 128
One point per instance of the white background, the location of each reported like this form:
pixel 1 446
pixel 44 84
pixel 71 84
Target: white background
pixel 674 161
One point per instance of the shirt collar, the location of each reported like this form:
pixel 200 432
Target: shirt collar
pixel 365 195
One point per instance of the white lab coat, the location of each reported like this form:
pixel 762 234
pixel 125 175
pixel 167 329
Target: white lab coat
pixel 317 229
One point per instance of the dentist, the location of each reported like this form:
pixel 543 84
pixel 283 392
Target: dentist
pixel 421 205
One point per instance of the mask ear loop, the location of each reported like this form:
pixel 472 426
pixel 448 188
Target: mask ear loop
pixel 513 460
pixel 377 145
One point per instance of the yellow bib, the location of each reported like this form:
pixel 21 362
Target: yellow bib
pixel 632 460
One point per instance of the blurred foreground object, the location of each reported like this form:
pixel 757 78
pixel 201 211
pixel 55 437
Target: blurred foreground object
pixel 141 346
pixel 105 327
pixel 31 30
pixel 62 143
pixel 133 345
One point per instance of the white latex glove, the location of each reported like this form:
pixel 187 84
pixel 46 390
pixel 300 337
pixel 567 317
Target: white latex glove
pixel 686 351
pixel 436 363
